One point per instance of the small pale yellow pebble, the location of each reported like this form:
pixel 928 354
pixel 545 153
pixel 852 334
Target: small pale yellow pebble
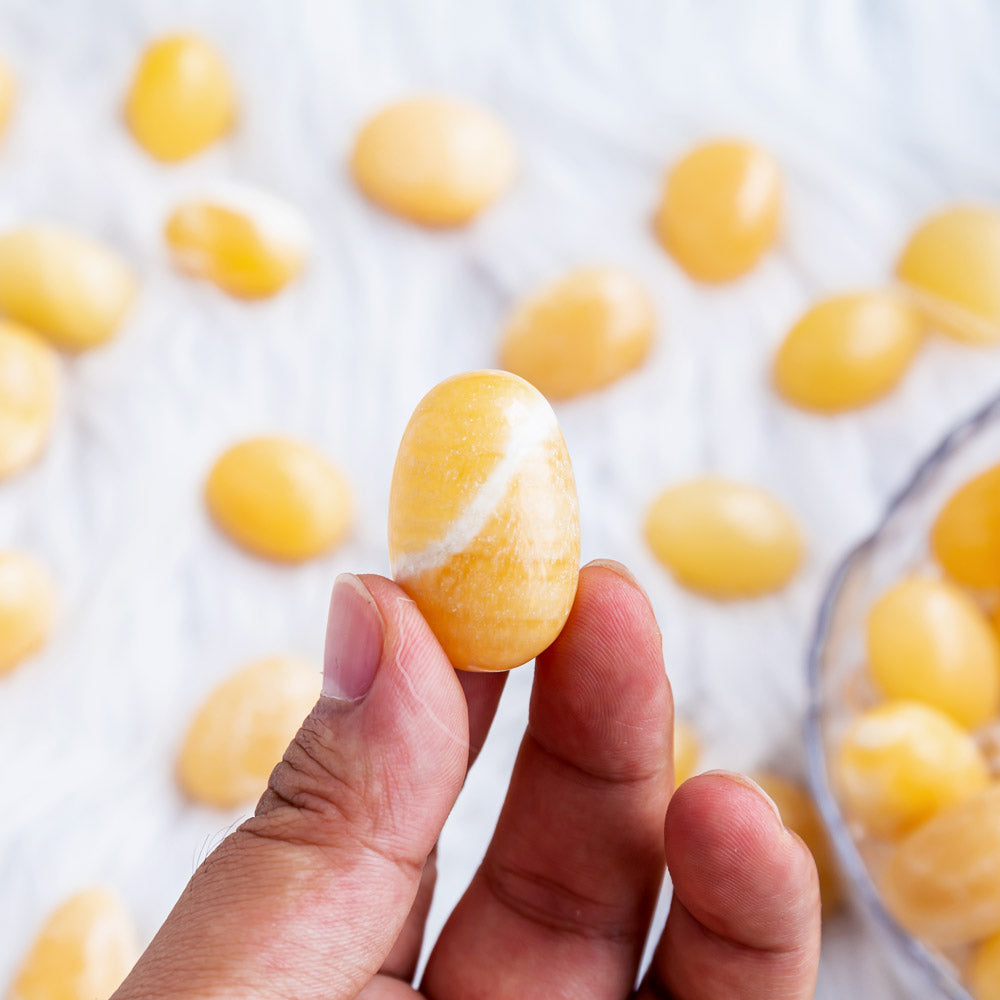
pixel 927 641
pixel 279 498
pixel 27 608
pixel 951 266
pixel 181 99
pixel 29 380
pixel 687 750
pixel 438 161
pixel 83 952
pixel 246 241
pixel 848 351
pixel 580 333
pixel 8 88
pixel 799 814
pixel 484 530
pixel 901 762
pixel 965 537
pixel 723 538
pixel 721 209
pixel 243 728
pixel 942 881
pixel 984 970
pixel 66 286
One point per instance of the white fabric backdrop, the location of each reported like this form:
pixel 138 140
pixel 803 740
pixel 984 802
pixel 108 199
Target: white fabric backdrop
pixel 879 112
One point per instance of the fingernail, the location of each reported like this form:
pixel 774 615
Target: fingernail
pixel 742 779
pixel 618 568
pixel 353 640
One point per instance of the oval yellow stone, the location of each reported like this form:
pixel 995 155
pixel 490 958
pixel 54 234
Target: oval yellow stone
pixel 927 641
pixel 435 160
pixel 247 242
pixel 721 209
pixel 687 750
pixel 243 728
pixel 800 815
pixel 951 266
pixel 181 98
pixel 279 498
pixel 848 351
pixel 900 763
pixel 484 530
pixel 723 538
pixel 29 379
pixel 984 970
pixel 942 881
pixel 8 88
pixel 66 286
pixel 27 608
pixel 965 536
pixel 84 950
pixel 580 333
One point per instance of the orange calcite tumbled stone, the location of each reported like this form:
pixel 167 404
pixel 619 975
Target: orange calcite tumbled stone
pixel 687 750
pixel 901 762
pixel 29 378
pixel 965 536
pixel 723 538
pixel 84 951
pixel 984 970
pixel 181 99
pixel 951 267
pixel 27 608
pixel 243 728
pixel 7 90
pixel 800 815
pixel 927 641
pixel 848 350
pixel 66 286
pixel 484 530
pixel 580 333
pixel 434 160
pixel 280 498
pixel 942 881
pixel 246 241
pixel 721 209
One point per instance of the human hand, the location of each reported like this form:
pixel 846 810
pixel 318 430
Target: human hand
pixel 323 894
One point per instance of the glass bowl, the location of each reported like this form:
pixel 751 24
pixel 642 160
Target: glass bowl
pixel 899 544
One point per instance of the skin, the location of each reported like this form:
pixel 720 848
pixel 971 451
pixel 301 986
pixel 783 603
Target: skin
pixel 323 894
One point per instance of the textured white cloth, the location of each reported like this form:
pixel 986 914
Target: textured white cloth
pixel 878 112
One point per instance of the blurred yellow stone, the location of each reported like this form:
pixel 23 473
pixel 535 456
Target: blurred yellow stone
pixel 243 729
pixel 29 380
pixel 984 970
pixel 435 160
pixel 580 333
pixel 484 530
pixel 901 762
pixel 279 498
pixel 246 241
pixel 942 881
pixel 965 536
pixel 27 608
pixel 687 750
pixel 951 266
pixel 721 209
pixel 927 641
pixel 8 88
pixel 799 814
pixel 723 538
pixel 181 99
pixel 83 952
pixel 66 286
pixel 848 350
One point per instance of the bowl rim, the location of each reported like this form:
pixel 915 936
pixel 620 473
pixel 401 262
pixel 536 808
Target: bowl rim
pixel 843 843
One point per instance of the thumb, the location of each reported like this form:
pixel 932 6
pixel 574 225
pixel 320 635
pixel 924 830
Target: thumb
pixel 306 898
